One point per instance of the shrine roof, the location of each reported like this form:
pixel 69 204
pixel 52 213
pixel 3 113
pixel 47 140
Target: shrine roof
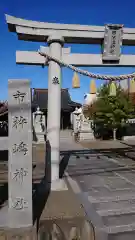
pixel 40 98
pixel 3 108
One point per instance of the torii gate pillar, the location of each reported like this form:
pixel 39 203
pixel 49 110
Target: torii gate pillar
pixel 54 105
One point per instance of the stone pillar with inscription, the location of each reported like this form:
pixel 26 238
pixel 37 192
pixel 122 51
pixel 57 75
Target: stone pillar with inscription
pixel 54 107
pixel 20 154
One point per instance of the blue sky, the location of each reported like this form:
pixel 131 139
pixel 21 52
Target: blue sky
pixel 72 11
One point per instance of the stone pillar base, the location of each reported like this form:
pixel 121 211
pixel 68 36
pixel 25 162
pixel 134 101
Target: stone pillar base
pixel 86 136
pixel 40 137
pixel 19 233
pixel 58 185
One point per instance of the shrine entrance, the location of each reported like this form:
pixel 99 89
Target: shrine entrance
pixel 110 37
pixel 65 120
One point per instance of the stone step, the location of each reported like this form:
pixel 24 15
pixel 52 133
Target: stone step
pixel 115 195
pixel 92 166
pixel 123 232
pixel 114 205
pixel 117 218
pixel 117 212
pixel 75 172
pixel 86 136
pixel 40 139
pixel 106 199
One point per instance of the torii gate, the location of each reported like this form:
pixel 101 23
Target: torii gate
pixel 112 36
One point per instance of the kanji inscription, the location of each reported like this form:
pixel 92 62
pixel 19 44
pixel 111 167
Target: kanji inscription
pixel 55 80
pixel 19 203
pixel 22 147
pixel 19 174
pixel 19 96
pixel 20 154
pixel 19 122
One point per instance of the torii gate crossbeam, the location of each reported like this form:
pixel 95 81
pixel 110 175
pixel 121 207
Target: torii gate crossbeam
pixel 72 33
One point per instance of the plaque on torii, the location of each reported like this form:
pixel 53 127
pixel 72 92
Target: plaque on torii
pixel 112 43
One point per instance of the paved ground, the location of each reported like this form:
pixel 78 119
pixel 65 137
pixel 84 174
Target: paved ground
pixel 106 144
pixel 103 179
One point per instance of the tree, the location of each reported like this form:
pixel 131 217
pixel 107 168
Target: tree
pixel 111 111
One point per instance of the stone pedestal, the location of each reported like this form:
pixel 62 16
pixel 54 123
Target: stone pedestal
pixel 86 132
pixel 128 138
pixel 18 234
pixel 59 185
pixel 86 136
pixel 82 126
